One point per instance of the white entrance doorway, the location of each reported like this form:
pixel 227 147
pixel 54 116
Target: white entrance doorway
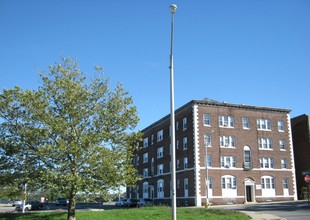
pixel 249 190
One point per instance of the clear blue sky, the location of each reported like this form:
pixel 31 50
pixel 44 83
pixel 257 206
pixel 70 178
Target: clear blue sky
pixel 255 52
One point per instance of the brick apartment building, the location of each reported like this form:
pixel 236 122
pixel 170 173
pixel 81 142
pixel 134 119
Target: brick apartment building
pixel 249 155
pixel 301 140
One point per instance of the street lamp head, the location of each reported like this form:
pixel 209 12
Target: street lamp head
pixel 173 8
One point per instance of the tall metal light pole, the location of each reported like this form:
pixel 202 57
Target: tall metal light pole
pixel 173 9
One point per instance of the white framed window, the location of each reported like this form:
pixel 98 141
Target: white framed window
pixel 178 144
pixel 206 120
pixel 226 121
pixel 160 152
pixel 184 124
pixel 145 157
pixel 152 166
pixel 207 140
pixel 160 169
pixel 185 187
pixel 145 172
pixel 281 126
pixel 210 182
pixel 185 145
pixel 178 163
pixel 284 163
pixel 185 163
pixel 160 135
pixel 265 143
pixel 137 160
pixel 285 183
pixel 229 182
pixel 266 162
pixel 245 123
pixel 282 144
pixel 145 190
pixel 228 162
pixel 160 188
pixel 209 161
pixel 263 124
pixel 267 182
pixel 146 142
pixel 227 141
pixel 152 139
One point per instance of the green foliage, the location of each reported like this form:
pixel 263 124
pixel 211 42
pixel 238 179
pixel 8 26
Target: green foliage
pixel 71 134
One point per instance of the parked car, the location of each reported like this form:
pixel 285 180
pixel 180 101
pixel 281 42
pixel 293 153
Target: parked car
pixel 17 202
pixel 30 205
pixel 132 203
pixel 61 201
pixel 145 202
pixel 121 203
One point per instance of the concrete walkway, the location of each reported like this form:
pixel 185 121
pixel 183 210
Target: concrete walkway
pixel 262 216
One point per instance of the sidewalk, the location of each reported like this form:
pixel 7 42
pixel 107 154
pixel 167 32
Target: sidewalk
pixel 262 216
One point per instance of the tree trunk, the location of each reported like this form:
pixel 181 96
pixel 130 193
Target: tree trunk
pixel 72 203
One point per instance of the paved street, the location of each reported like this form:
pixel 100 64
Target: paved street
pixel 298 210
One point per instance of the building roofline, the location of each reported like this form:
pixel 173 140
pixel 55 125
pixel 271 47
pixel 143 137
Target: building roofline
pixel 209 102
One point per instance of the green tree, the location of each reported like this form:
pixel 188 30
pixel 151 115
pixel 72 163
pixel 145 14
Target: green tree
pixel 72 133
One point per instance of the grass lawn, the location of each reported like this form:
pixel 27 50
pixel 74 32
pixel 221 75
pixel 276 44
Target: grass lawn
pixel 145 213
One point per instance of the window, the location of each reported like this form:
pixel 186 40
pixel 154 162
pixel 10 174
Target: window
pixel 145 157
pixel 285 183
pixel 206 120
pixel 280 125
pixel 227 141
pixel 226 121
pixel 184 124
pixel 229 182
pixel 178 183
pixel 282 144
pixel 160 169
pixel 266 162
pixel 177 125
pixel 160 135
pixel 160 152
pixel 207 140
pixel 265 143
pixel 247 153
pixel 185 163
pixel 245 123
pixel 152 139
pixel 178 144
pixel 185 143
pixel 185 187
pixel 152 166
pixel 210 182
pixel 228 161
pixel 137 160
pixel 145 142
pixel 160 188
pixel 178 163
pixel 284 163
pixel 145 190
pixel 209 161
pixel 264 124
pixel 145 172
pixel 267 182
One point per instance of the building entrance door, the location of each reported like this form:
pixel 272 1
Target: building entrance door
pixel 248 193
pixel 249 190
